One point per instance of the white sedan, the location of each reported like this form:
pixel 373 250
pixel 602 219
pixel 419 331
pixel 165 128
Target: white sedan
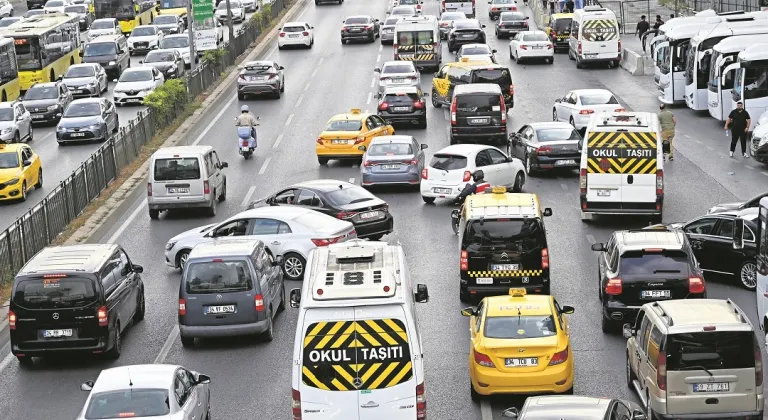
pixel 237 11
pixel 135 84
pixel 578 106
pixel 56 6
pixel 288 231
pixel 451 169
pixel 531 45
pixel 475 52
pixel 296 34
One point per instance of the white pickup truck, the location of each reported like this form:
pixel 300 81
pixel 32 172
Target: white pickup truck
pixel 467 7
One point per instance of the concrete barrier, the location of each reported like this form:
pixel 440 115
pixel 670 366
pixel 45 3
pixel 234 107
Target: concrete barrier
pixel 635 63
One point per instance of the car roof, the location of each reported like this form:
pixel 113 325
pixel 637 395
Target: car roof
pixel 224 247
pixel 401 89
pixel 83 65
pixel 281 212
pixel 508 305
pixel 702 312
pixel 324 185
pixel 104 19
pixel 397 62
pixel 163 50
pixel 181 150
pixel 136 69
pixel 259 63
pixel 452 13
pixel 69 258
pixel 175 35
pixel 350 116
pixel 549 124
pixel 470 88
pixel 135 377
pixel 364 16
pixel 636 240
pixel 10 147
pixel 563 406
pixel 461 149
pixel 87 101
pixel 399 139
pixel 588 91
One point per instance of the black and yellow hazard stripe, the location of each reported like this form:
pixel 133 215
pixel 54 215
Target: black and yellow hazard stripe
pixel 599 30
pixel 505 273
pixel 622 166
pixel 645 140
pixel 406 48
pixel 416 57
pixel 622 153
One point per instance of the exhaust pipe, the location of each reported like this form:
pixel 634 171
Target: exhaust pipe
pixel 618 316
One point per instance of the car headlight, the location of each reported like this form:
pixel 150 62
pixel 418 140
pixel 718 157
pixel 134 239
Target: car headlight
pixel 60 128
pixel 169 246
pixel 52 108
pixel 763 141
pixel 11 181
pixel 90 84
pixel 112 63
pixel 7 130
pixel 94 126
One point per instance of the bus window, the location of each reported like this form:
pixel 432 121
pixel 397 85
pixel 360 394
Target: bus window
pixel 28 53
pixel 755 82
pixel 8 68
pixel 738 83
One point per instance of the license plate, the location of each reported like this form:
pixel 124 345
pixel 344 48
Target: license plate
pixel 450 9
pixel 390 166
pixel 565 162
pixel 355 30
pixel 603 193
pixel 337 141
pixel 521 362
pixel 655 294
pixel 257 79
pixel 293 36
pixel 484 280
pixel 537 47
pixel 467 36
pixel 712 387
pixel 37 117
pixel 133 100
pixel 590 55
pixel 398 80
pixel 222 309
pixel 369 215
pixel 60 333
pixel 478 120
pixel 442 190
pixel 504 267
pixel 244 148
pixel 400 108
pixel 178 190
pixel 77 134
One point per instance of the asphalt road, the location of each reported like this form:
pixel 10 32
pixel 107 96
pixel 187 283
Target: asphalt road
pixel 251 377
pixel 59 162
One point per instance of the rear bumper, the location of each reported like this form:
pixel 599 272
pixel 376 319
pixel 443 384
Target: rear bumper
pixel 183 205
pixel 494 134
pixel 411 177
pixel 99 344
pixel 209 331
pixel 357 35
pixel 490 381
pixel 403 118
pixel 536 284
pixel 619 312
pixel 510 31
pixel 744 415
pixel 546 163
pixel 379 227
pixel 258 89
pixel 598 59
pixel 649 208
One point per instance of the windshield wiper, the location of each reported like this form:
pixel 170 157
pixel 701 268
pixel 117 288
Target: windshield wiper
pixel 696 367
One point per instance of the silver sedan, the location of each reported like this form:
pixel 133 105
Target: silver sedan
pixel 397 74
pixel 388 30
pixel 394 159
pixel 170 391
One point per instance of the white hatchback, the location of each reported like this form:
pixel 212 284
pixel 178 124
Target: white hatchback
pixel 578 106
pixel 56 6
pixel 452 167
pixel 296 34
pixel 531 45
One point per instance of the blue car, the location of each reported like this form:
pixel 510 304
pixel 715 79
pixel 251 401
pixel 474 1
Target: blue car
pixel 390 160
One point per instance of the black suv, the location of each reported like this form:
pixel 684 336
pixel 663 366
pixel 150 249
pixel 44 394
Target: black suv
pixel 465 31
pixel 478 114
pixel 47 101
pixel 403 105
pixel 77 298
pixel 640 266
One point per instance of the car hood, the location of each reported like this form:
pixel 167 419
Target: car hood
pixel 147 38
pixel 9 173
pixel 662 226
pixel 182 50
pixel 143 85
pixel 79 81
pixel 195 233
pixel 724 206
pixel 93 33
pixel 161 65
pixel 7 124
pixel 75 122
pixel 39 103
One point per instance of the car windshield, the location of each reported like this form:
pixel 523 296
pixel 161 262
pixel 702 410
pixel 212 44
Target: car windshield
pixel 709 350
pixel 645 262
pixel 165 20
pixel 57 292
pixel 8 21
pixel 93 49
pixel 76 9
pixel 89 109
pixel 466 24
pixel 143 31
pixel 535 37
pixel 448 17
pixel 54 3
pixel 349 195
pixel 519 327
pixel 344 125
pixel 42 92
pixel 136 76
pixel 445 162
pixel 397 68
pixel 175 42
pixel 218 277
pixel 512 16
pixel 177 169
pixel 597 99
pixel 484 50
pixel 356 21
pixel 84 71
pixel 546 135
pixel 158 57
pixel 137 402
pixel 391 21
pixel 478 102
pixel 9 160
pixel 390 149
pixel 409 10
pixel 102 24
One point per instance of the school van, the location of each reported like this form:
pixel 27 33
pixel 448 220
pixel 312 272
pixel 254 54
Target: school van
pixel 185 177
pixel 418 39
pixel 358 352
pixel 594 37
pixel 465 6
pixel 622 166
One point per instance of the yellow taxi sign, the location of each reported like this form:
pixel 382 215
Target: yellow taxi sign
pixel 517 292
pixel 355 111
pixel 464 59
pixel 499 190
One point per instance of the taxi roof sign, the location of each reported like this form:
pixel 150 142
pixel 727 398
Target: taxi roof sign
pixel 517 292
pixel 499 190
pixel 464 59
pixel 355 111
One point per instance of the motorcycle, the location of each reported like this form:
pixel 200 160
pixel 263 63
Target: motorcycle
pixel 247 141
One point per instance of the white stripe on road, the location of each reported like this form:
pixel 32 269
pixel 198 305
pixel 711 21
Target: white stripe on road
pixel 264 166
pixel 167 345
pixel 381 47
pixel 764 173
pixel 485 410
pixel 277 142
pixel 591 239
pixel 370 96
pixel 128 221
pixel 373 81
pixel 314 73
pixel 288 122
pixel 301 98
pixel 248 196
pixel 564 186
pixel 306 88
pixel 378 58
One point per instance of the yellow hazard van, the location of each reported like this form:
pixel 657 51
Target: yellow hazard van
pixel 622 166
pixel 357 352
pixel 594 37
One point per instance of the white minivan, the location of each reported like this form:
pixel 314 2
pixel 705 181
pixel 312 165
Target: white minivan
pixel 594 37
pixel 185 177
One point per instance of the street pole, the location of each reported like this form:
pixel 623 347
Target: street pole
pixel 190 31
pixel 231 27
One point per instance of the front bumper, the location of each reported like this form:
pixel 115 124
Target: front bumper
pixel 123 98
pixel 82 135
pixel 211 331
pixel 554 379
pixel 141 49
pixel 46 117
pixel 266 89
pixel 745 415
pixel 10 192
pixel 83 91
pixel 378 227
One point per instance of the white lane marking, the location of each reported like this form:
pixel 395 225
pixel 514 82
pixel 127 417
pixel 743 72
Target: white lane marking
pixel 314 73
pixel 213 123
pixel 306 88
pixel 373 82
pixel 445 114
pixel 697 141
pixel 370 96
pixel 355 165
pixel 248 196
pixel 485 410
pixel 128 221
pixel 320 61
pixel 301 98
pixel 381 47
pixel 752 166
pixel 564 186
pixel 264 166
pixel 764 173
pixel 710 148
pixel 288 121
pixel 167 345
pixel 277 142
pixel 591 239
pixel 8 358
pixel 274 50
pixel 45 137
pixel 378 58
pixel 686 136
pixel 351 180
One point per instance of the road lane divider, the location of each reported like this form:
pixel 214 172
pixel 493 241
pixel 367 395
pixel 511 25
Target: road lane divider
pixel 277 141
pixel 265 166
pixel 248 195
pixel 370 96
pixel 298 102
pixel 288 121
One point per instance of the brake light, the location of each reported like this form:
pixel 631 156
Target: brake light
pixel 464 261
pixel 524 47
pixel 559 357
pixel 412 162
pixel 758 366
pixel 511 90
pixel 482 359
pixel 661 371
pixel 346 215
pixel 619 46
pixel 444 24
pixel 11 320
pixel 206 187
pixel 454 107
pixel 619 110
pixel 659 182
pixel 149 189
pixel 359 139
pixel 613 287
pixel 579 47
pixel 418 104
pixel 368 163
pixel 384 78
pixel 421 402
pixel 514 9
pixel 319 140
pixel 182 307
pixel 305 33
pixel 245 143
pixel 550 46
pixel 545 258
pixel 258 302
pixel 696 285
pixel 369 27
pixel 543 150
pixel 344 29
pixel 296 404
pixel 473 4
pixel 326 242
pixel 383 106
pixel 554 33
pixel 282 34
pixel 102 315
pixel 467 176
pixel 503 112
pixel 583 181
pixel 586 112
pixel 241 77
pixel 494 9
pixel 424 174
pixel 525 24
pixel 418 6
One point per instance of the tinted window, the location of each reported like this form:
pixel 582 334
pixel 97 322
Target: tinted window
pixel 397 68
pixel 42 92
pixel 512 16
pixel 415 37
pixel 344 125
pixel 401 98
pixel 136 76
pixel 175 42
pixel 535 37
pixel 356 21
pixel 294 29
pixel 99 48
pixel 562 25
pixel 726 228
pixel 177 169
pixel 219 277
pixel 520 326
pixel 641 262
pixel 349 195
pixel 448 162
pixel 450 16
pixel 556 134
pixel 102 24
pixel 478 103
pixel 76 9
pixel 54 3
pixel 158 57
pixel 134 403
pixel 711 350
pixel 147 31
pixel 484 50
pixel 466 24
pixel 391 21
pixel 6 114
pixel 9 160
pixel 598 99
pixel 83 110
pixel 266 227
pixel 165 20
pixel 498 76
pixel 503 230
pixel 84 71
pixel 389 149
pixel 66 292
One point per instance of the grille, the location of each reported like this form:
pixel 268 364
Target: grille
pixel 354 278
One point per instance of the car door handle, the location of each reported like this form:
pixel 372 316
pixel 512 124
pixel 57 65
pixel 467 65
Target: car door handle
pixel 369 405
pixel 275 242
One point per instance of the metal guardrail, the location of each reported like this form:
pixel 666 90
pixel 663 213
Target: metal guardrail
pixel 40 226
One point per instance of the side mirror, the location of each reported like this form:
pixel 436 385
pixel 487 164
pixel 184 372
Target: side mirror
pixel 568 309
pixel 494 51
pixel 558 100
pixel 738 233
pixel 224 165
pixel 468 312
pixel 598 247
pixel 26 163
pixel 482 26
pixel 282 68
pixel 547 212
pixel 434 75
pixel 361 148
pixel 203 379
pixel 526 18
pixel 137 268
pixel 626 330
pixel 510 413
pixel 424 146
pixel 377 70
pixel 60 77
pixel 422 293
pixel 86 386
pixel 294 297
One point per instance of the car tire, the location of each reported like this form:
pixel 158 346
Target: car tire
pixel 375 238
pixel 748 275
pixel 570 56
pixel 280 47
pixel 39 179
pixel 519 182
pixel 114 352
pixel 464 296
pixel 550 60
pixel 23 197
pixel 517 59
pixel 343 41
pixel 529 166
pixel 423 124
pixel 240 96
pixel 31 134
pixel 223 195
pixel 630 374
pixel 187 342
pixel 281 307
pixel 117 125
pixel 282 86
pixel 606 324
pixel 435 102
pixel 181 259
pixel 648 409
pixel 211 211
pixel 294 266
pixel 322 161
pixel 141 308
pixel 154 214
pixel 16 138
pixel 269 334
pixel 428 200
pixel 473 394
pixel 511 56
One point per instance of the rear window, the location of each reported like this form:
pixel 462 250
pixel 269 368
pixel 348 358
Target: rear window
pixel 344 125
pixel 177 169
pixel 397 68
pixel 486 232
pixel 466 24
pixel 479 50
pixel 498 76
pixel 219 277
pixel 507 16
pixel 349 195
pixel 520 326
pixel 598 99
pixel 52 293
pixel 415 37
pixel 389 149
pixel 478 103
pixel 641 262
pixel 535 37
pixel 356 21
pixel 562 24
pixel 711 350
pixel 124 404
pixel 401 98
pixel 556 134
pixel 294 29
pixel 391 21
pixel 448 162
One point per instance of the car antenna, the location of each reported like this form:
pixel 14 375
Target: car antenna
pixel 130 381
pixel 519 315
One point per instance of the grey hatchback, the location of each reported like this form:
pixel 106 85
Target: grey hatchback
pixel 392 160
pixel 230 287
pixel 260 77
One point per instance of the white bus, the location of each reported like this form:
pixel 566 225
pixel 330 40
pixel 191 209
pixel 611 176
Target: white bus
pixel 726 52
pixel 750 83
pixel 761 259
pixel 698 60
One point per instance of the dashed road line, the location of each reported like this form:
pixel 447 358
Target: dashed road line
pixel 277 142
pixel 378 58
pixel 485 410
pixel 264 166
pixel 301 98
pixel 306 88
pixel 764 173
pixel 710 147
pixel 248 196
pixel 314 73
pixel 370 96
pixel 373 81
pixel 381 47
pixel 591 239
pixel 320 61
pixel 288 121
pixel 564 186
pixel 167 345
pixel 216 118
pixel 445 114
pixel 686 136
pixel 697 141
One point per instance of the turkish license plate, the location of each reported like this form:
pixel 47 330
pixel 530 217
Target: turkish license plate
pixel 400 80
pixel 78 91
pixel 133 100
pixel 538 47
pixel 442 190
pixel 293 36
pixel 565 162
pixel 390 166
pixel 177 190
pixel 450 9
pixel 369 215
pixel 257 78
pixel 484 280
pixel 712 387
pixel 338 141
pixel 467 36
pixel 220 309
pixel 590 55
pixel 400 108
pixel 57 333
pixel 655 294
pixel 603 193
pixel 478 120
pixel 521 362
pixel 505 267
pixel 77 134
pixel 355 30
pixel 244 148
pixel 37 117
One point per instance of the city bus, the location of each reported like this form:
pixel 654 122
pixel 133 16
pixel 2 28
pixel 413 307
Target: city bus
pixel 750 83
pixel 726 52
pixel 761 260
pixel 129 13
pixel 45 46
pixel 174 7
pixel 9 71
pixel 655 36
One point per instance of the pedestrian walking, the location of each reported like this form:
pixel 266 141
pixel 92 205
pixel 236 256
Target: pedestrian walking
pixel 642 27
pixel 569 6
pixel 668 123
pixel 658 22
pixel 551 7
pixel 739 122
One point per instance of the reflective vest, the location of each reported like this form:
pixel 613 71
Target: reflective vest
pixel 482 187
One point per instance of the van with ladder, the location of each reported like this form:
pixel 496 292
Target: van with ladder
pixel 417 39
pixel 358 350
pixel 750 83
pixel 725 53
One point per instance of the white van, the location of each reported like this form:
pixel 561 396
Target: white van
pixel 184 177
pixel 622 166
pixel 358 352
pixel 594 37
pixel 465 6
pixel 417 39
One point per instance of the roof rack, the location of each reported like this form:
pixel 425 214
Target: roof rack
pixel 356 270
pixel 663 314
pixel 737 311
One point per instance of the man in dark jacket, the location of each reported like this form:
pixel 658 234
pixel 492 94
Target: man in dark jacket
pixel 658 22
pixel 569 5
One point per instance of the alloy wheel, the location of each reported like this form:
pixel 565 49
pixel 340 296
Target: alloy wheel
pixel 294 267
pixel 748 275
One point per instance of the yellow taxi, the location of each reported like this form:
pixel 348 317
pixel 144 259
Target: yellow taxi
pixel 20 171
pixel 519 344
pixel 346 136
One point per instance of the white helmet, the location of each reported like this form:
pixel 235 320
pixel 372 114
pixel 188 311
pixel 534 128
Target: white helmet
pixel 244 108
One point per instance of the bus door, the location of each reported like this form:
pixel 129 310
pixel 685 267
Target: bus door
pixel 762 259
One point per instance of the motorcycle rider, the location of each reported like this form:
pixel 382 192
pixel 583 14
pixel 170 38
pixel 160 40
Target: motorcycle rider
pixel 245 119
pixel 478 187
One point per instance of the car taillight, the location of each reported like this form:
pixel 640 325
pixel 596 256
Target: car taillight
pixel 454 107
pixel 11 320
pixel 424 174
pixel 101 314
pixel 305 33
pixel 613 287
pixel 382 78
pixel 482 359
pixel 368 163
pixel 543 150
pixel 661 371
pixel 383 106
pixel 149 189
pixel 696 285
pixel 282 34
pixel 550 46
pixel 359 139
pixel 467 176
pixel 258 302
pixel 586 112
pixel 346 215
pixel 412 78
pixel 319 140
pixel 494 9
pixel 418 105
pixel 182 307
pixel 579 47
pixel 559 357
pixel 206 187
pixel 421 402
pixel 514 9
pixel 525 24
pixel 619 46
pixel 659 182
pixel 524 47
pixel 412 162
pixel 503 112
pixel 418 6
pixel 344 29
pixel 758 366
pixel 511 90
pixel 369 27
pixel 296 404
pixel 464 261
pixel 444 25
pixel 245 143
pixel 583 181
pixel 326 242
pixel 241 77
pixel 545 258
